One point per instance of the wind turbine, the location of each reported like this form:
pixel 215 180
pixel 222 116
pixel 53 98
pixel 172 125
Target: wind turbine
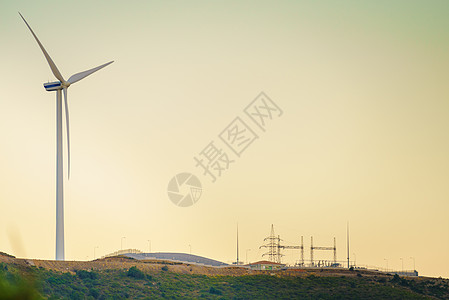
pixel 61 86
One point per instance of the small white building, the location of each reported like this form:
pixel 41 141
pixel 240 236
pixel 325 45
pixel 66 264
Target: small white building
pixel 265 265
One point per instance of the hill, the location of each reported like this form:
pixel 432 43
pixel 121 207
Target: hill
pixel 122 278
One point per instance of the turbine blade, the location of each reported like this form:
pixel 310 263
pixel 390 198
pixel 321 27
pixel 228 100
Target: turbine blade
pixel 53 67
pixel 78 76
pixel 67 126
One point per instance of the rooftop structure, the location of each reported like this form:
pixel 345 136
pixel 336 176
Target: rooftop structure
pixel 265 265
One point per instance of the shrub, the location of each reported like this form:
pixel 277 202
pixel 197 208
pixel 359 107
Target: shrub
pixel 16 287
pixel 86 275
pixel 215 291
pixel 396 278
pixel 94 293
pixel 135 273
pixel 164 268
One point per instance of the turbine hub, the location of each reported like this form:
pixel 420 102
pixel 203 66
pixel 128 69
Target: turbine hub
pixel 66 84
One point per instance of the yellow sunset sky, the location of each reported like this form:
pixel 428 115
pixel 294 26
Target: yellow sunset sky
pixel 363 137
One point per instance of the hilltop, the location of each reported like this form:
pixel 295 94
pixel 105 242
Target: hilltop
pixel 123 277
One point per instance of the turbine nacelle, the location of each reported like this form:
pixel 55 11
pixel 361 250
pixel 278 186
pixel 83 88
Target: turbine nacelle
pixel 56 85
pixel 53 86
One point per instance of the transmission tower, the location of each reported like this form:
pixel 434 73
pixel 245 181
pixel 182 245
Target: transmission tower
pixel 274 247
pixel 334 249
pixel 296 247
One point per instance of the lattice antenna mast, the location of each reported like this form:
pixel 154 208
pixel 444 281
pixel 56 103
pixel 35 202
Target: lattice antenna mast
pixel 273 245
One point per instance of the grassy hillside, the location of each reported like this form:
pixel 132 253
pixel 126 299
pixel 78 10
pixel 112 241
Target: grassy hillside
pixel 18 281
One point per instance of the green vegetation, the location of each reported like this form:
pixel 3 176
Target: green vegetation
pixel 14 286
pixel 136 284
pixel 135 273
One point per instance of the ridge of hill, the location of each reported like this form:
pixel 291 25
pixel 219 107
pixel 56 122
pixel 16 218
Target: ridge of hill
pixel 122 277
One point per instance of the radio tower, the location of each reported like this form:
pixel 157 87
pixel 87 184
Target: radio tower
pixel 237 244
pixel 273 245
pixel 237 262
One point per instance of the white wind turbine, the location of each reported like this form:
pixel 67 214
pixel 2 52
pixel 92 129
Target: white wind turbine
pixel 58 86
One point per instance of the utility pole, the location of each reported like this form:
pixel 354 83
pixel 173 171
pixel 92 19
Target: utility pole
pixel 94 251
pixel 302 251
pixel 311 250
pixel 237 244
pixel 335 251
pixel 347 239
pixel 414 269
pixel 121 242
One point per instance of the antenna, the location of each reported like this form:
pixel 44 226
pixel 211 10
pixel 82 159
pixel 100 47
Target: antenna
pixel 347 239
pixel 237 262
pixel 237 243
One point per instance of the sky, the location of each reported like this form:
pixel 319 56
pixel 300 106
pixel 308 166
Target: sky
pixel 360 133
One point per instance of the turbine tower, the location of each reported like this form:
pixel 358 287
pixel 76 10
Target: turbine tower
pixel 60 87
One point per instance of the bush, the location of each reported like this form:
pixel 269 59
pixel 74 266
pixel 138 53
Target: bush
pixel 14 286
pixel 94 293
pixel 164 268
pixel 135 273
pixel 82 274
pixel 396 278
pixel 215 291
